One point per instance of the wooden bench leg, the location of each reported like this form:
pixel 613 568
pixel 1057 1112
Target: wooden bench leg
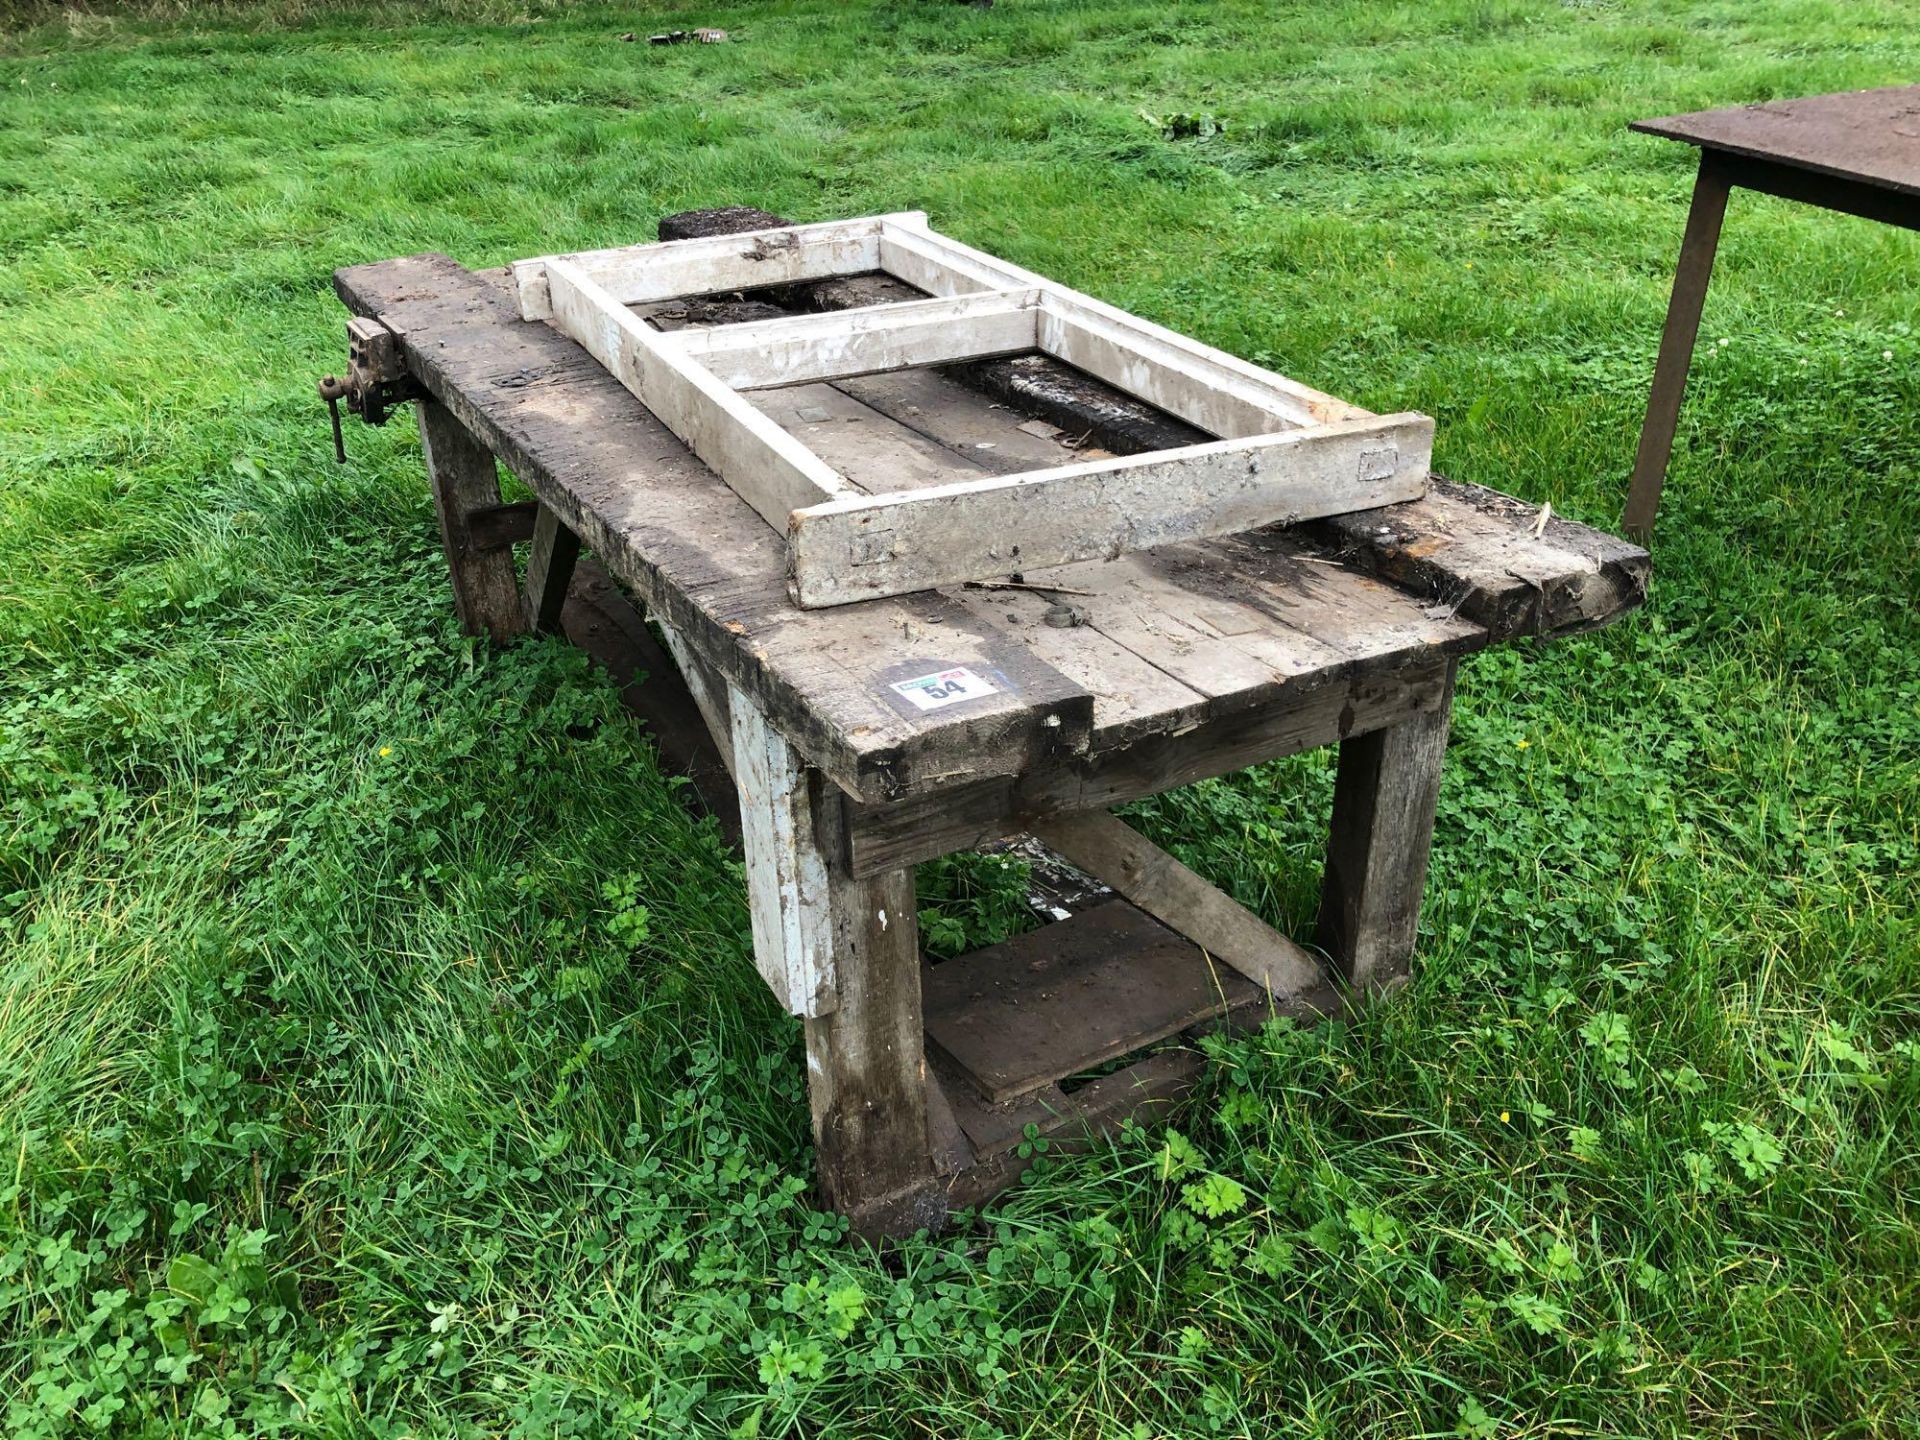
pixel 866 1065
pixel 845 955
pixel 604 623
pixel 464 478
pixel 550 563
pixel 1383 808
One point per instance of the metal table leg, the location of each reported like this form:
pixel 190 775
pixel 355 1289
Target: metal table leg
pixel 1690 279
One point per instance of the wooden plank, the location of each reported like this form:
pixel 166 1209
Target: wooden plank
pixel 464 478
pixel 1382 833
pixel 1144 1092
pixel 1281 583
pixel 867 1081
pixel 764 465
pixel 927 826
pixel 1073 995
pixel 991 1128
pixel 947 1139
pixel 711 264
pixel 1126 600
pixel 1082 406
pixel 858 441
pixel 499 527
pixel 980 437
pixel 1135 695
pixel 687 316
pixel 802 348
pixel 550 563
pixel 1141 1091
pixel 1245 620
pixel 707 691
pixel 1109 849
pixel 910 253
pixel 1474 553
pixel 861 547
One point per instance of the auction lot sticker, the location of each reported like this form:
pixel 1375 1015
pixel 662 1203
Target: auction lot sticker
pixel 943 687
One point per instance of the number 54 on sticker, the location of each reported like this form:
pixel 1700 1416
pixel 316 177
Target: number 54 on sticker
pixel 943 687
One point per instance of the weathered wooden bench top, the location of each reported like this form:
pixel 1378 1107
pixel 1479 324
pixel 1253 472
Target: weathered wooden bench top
pixel 1167 641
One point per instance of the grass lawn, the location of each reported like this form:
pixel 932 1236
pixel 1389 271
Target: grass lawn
pixel 380 1051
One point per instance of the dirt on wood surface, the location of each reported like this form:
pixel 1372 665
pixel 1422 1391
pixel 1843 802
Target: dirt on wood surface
pixel 715 311
pixel 726 220
pixel 1050 390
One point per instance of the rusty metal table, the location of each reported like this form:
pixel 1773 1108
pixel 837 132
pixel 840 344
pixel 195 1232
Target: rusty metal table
pixel 1857 152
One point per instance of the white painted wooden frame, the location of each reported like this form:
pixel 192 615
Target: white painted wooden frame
pixel 1285 452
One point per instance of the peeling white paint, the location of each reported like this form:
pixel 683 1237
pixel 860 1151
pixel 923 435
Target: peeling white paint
pixel 787 887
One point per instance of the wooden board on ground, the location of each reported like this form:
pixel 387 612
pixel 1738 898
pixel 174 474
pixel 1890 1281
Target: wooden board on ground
pixel 1141 1092
pixel 1071 996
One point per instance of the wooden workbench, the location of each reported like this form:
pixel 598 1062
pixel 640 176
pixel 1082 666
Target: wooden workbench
pixel 1102 683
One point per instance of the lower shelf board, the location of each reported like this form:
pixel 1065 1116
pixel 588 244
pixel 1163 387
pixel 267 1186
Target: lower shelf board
pixel 1014 1018
pixel 1070 1122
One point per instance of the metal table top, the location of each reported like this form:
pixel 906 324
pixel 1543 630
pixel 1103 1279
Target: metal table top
pixel 1871 137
